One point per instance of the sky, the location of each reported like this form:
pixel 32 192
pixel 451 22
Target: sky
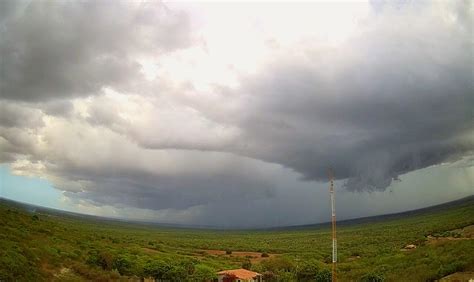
pixel 229 114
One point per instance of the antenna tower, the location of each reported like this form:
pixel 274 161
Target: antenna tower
pixel 333 221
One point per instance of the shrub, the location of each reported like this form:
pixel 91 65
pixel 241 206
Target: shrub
pixel 450 268
pixel 188 266
pixel 324 275
pixel 123 265
pixel 16 267
pixel 203 273
pixel 102 259
pixel 265 255
pixel 156 269
pixel 277 264
pixel 286 276
pixel 269 276
pixel 247 264
pixel 308 271
pixel 372 277
pixel 167 271
pixel 176 273
pixel 106 260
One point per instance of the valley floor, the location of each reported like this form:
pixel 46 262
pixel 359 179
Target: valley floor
pixel 45 246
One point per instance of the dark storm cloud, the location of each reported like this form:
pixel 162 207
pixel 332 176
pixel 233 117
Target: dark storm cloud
pixel 52 49
pixel 388 102
pixel 145 180
pixel 158 192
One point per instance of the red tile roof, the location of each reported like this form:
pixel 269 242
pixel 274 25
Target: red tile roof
pixel 240 273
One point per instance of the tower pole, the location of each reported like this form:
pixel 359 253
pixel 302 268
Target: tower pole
pixel 333 221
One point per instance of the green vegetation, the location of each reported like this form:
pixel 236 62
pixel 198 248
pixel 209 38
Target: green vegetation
pixel 45 246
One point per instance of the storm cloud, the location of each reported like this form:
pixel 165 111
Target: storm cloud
pixel 385 103
pixel 68 49
pixel 188 112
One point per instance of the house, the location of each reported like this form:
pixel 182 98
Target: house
pixel 238 275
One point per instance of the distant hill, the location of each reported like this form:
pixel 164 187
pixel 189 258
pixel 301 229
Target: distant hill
pixel 378 218
pixel 87 217
pixel 370 219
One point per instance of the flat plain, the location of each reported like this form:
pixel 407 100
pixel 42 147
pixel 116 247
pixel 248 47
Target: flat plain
pixel 46 245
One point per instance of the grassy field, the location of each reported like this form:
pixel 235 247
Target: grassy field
pixel 42 245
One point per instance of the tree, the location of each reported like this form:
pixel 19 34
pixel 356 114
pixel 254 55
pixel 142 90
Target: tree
pixel 324 275
pixel 156 269
pixel 123 264
pixel 308 271
pixel 203 273
pixel 247 264
pixel 277 264
pixel 103 259
pixel 269 276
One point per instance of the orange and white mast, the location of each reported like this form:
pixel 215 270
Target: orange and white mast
pixel 333 220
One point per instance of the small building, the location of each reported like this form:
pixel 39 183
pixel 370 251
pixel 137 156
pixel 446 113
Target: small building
pixel 238 275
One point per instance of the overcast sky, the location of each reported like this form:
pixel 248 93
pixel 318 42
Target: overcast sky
pixel 229 114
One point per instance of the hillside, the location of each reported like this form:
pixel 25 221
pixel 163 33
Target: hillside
pixel 40 244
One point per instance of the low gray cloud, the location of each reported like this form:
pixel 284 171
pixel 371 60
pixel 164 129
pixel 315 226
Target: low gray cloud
pixel 180 191
pixel 57 107
pixel 13 115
